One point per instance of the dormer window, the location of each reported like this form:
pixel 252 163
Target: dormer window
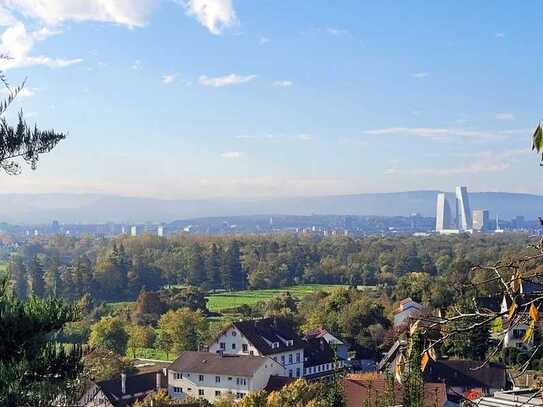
pixel 275 345
pixel 290 342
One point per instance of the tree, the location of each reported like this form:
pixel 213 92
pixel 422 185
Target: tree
pixel 148 308
pixel 140 337
pixel 182 330
pixel 197 274
pixel 102 364
pixel 234 277
pixel 213 268
pixel 17 271
pixel 34 369
pixel 109 333
pixel 83 276
pixel 37 283
pixel 52 278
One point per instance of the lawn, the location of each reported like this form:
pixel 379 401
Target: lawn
pixel 227 300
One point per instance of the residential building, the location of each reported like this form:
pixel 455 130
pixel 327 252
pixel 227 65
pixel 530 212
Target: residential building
pixel 124 390
pixel 408 309
pixel 209 375
pixel 481 220
pixel 135 230
pixel 463 211
pixel 443 213
pixel 272 337
pixel 370 388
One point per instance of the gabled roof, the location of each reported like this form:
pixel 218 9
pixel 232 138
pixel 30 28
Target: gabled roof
pixel 278 382
pixel 321 333
pixel 137 387
pixel 214 363
pixel 318 352
pixel 263 332
pixel 467 373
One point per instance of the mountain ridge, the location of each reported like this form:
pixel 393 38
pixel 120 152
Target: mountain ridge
pixel 100 208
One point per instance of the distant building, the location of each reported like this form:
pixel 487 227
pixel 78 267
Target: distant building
pixel 407 310
pixel 134 230
pixel 443 213
pixel 463 211
pixel 212 375
pixel 160 231
pixel 481 220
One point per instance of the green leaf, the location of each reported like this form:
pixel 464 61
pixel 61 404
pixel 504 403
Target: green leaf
pixel 537 139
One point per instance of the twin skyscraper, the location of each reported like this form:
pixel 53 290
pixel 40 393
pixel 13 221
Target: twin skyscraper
pixel 444 220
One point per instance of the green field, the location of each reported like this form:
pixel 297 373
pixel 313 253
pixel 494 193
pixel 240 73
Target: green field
pixel 227 300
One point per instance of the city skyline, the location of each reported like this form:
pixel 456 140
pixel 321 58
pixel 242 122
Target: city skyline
pixel 219 98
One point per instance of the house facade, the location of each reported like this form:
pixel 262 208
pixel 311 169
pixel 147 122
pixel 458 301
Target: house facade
pixel 210 376
pixel 269 337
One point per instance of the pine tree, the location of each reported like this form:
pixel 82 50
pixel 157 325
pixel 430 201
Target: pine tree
pixel 69 289
pixel 237 276
pixel 196 274
pixel 37 283
pixel 213 268
pixel 83 276
pixel 18 273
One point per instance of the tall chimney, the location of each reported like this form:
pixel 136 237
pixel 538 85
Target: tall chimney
pixel 158 381
pixel 123 383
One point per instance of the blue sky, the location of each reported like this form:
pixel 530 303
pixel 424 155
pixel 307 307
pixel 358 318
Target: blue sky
pixel 246 98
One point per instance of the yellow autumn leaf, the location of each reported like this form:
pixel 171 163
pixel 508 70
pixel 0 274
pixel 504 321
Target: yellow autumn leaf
pixel 398 369
pixel 534 312
pixel 512 310
pixel 414 327
pixel 432 354
pixel 529 332
pixel 515 282
pixel 424 361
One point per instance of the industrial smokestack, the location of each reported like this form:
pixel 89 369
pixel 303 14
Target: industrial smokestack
pixel 123 383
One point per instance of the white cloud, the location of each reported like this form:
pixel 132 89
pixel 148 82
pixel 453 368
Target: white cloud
pixel 132 13
pixel 442 133
pixel 231 155
pixel 499 35
pixel 168 79
pixel 263 40
pixel 282 84
pixel 136 66
pixel 215 15
pixel 336 31
pixel 17 42
pixel 420 75
pixel 228 80
pixel 505 116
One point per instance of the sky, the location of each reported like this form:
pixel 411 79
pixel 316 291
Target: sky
pixel 184 99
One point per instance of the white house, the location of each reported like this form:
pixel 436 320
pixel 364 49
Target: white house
pixel 272 337
pixel 211 375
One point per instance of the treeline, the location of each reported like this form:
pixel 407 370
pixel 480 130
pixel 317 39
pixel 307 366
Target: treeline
pixel 117 269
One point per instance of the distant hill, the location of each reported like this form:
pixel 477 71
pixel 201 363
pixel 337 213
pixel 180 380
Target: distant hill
pixel 74 208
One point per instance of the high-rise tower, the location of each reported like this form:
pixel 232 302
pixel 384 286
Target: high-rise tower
pixel 443 213
pixel 463 211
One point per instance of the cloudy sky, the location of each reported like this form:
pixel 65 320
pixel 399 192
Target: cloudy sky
pixel 246 98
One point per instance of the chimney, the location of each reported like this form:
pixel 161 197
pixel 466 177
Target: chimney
pixel 123 383
pixel 158 381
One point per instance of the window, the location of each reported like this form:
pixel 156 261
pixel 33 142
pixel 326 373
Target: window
pixel 290 373
pixel 234 333
pixel 251 353
pixel 177 376
pixel 283 359
pixel 240 381
pixel 290 342
pixel 290 359
pixel 201 392
pixel 297 357
pixel 217 393
pixel 229 379
pixel 217 379
pixel 201 378
pixel 233 346
pixel 239 395
pixel 275 345
pixel 177 390
pixel 275 358
pixel 244 347
pixel 297 372
pixel 223 345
